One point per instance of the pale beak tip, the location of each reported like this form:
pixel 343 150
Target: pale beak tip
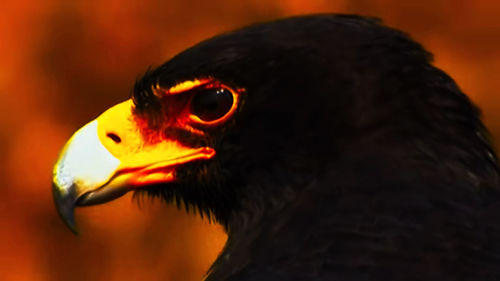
pixel 65 205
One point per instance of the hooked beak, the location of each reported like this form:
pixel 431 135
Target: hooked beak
pixel 109 157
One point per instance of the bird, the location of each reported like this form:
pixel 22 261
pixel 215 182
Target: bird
pixel 328 146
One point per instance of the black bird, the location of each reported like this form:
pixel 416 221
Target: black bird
pixel 328 146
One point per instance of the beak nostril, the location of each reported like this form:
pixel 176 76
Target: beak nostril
pixel 114 137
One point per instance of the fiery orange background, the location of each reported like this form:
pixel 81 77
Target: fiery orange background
pixel 63 62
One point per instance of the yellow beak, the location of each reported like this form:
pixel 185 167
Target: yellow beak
pixel 112 155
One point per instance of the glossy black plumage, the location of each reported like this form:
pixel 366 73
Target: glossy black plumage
pixel 350 158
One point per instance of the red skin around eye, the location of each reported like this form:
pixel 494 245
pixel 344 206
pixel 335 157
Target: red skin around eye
pixel 175 101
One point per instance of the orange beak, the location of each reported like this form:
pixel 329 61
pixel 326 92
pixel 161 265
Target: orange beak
pixel 109 157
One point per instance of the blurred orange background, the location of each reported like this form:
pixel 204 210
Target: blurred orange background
pixel 63 62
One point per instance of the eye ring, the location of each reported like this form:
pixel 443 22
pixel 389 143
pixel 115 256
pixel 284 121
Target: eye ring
pixel 213 105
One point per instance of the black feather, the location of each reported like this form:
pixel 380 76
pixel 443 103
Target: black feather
pixel 351 158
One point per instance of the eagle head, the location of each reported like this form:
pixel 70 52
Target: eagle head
pixel 246 121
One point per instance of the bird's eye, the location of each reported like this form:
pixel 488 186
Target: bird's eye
pixel 211 105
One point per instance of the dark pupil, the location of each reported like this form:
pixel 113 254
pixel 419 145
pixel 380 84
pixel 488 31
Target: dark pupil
pixel 211 104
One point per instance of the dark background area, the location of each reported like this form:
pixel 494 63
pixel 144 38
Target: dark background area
pixel 64 62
